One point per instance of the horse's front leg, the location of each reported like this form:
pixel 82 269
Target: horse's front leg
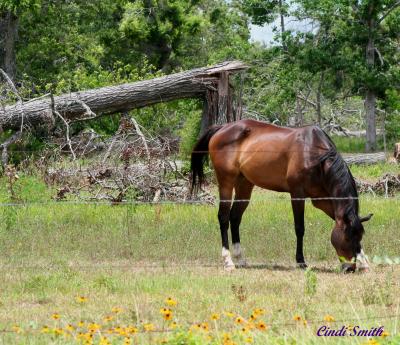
pixel 298 214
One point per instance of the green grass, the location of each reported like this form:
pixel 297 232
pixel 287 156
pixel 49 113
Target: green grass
pixel 373 172
pixel 165 233
pixel 367 300
pixel 136 256
pixel 353 144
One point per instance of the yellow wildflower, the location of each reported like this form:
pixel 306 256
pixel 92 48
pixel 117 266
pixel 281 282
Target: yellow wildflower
pixel 81 324
pixel 258 311
pixel 16 329
pixel 329 318
pixel 88 336
pixel 205 326
pixel 69 327
pixel 253 317
pixel 170 301
pixel 305 322
pixel 117 310
pixel 226 337
pixel 81 299
pixel 168 316
pixel 195 327
pixel 385 334
pixel 148 327
pixel 45 329
pixel 56 316
pixel 261 325
pixel 108 318
pixel 93 327
pixel 297 317
pixel 245 329
pixel 229 314
pixel 127 341
pixel 248 340
pixel 132 330
pixel 117 329
pixel 173 325
pixel 214 316
pixel 123 332
pixel 104 341
pixel 239 320
pixel 58 331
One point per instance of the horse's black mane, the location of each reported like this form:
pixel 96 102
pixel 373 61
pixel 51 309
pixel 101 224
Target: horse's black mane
pixel 341 184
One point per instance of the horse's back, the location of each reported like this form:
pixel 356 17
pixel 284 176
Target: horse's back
pixel 267 155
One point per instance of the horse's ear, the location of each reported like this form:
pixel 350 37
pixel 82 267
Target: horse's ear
pixel 366 218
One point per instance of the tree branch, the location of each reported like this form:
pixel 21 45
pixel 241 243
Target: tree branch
pixel 11 140
pixel 53 108
pixel 15 91
pixel 390 10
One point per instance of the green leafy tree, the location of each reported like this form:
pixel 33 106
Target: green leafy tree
pixel 10 10
pixel 364 33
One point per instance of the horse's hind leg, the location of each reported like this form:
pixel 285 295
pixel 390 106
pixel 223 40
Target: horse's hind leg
pixel 243 189
pixel 298 214
pixel 225 196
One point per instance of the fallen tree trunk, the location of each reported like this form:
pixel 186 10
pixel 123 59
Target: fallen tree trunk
pixel 84 105
pixel 364 158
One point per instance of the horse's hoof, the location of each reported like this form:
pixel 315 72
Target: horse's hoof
pixel 302 265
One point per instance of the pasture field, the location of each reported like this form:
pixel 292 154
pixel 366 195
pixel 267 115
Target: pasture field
pixel 133 257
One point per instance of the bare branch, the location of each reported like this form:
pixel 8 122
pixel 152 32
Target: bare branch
pixel 139 132
pixel 66 126
pixel 11 140
pixel 15 91
pixel 379 55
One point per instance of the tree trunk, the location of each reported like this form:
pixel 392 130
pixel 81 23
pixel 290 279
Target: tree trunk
pixel 299 113
pixel 318 99
pixel 282 18
pixel 8 37
pixel 364 158
pixel 370 97
pixel 84 105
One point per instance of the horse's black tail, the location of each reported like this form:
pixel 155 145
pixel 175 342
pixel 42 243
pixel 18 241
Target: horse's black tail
pixel 199 157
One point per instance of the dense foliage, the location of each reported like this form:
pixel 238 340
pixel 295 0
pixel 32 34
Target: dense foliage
pixel 315 75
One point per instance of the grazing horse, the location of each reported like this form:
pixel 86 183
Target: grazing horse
pixel 301 161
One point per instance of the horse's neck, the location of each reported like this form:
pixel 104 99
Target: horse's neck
pixel 344 206
pixel 343 203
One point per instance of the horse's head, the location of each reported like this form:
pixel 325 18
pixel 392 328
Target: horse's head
pixel 346 238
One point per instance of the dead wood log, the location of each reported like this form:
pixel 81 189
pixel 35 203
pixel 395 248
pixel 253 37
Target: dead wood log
pixel 84 105
pixel 364 158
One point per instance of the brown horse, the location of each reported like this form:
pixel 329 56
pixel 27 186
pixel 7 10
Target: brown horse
pixel 301 161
